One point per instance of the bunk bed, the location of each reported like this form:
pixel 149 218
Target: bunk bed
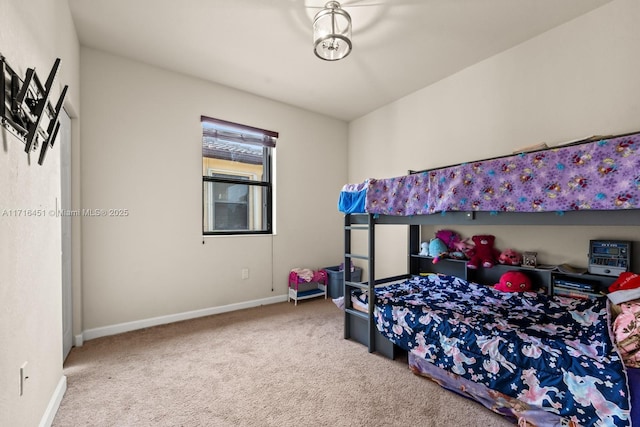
pixel 591 182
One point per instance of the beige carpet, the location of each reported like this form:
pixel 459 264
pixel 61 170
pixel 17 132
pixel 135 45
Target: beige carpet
pixel 276 365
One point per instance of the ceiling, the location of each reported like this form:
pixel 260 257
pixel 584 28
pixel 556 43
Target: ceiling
pixel 265 46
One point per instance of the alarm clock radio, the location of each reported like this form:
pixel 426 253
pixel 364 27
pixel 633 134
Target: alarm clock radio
pixel 609 257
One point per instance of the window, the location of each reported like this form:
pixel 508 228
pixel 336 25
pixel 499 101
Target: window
pixel 236 178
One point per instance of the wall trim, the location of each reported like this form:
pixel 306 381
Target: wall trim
pixel 54 403
pixel 119 328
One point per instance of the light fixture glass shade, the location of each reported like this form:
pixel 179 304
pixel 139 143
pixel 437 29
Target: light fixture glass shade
pixel 332 32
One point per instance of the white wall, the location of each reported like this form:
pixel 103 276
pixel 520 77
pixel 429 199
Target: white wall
pixel 33 34
pixel 577 80
pixel 141 151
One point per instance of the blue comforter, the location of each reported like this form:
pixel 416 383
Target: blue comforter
pixel 554 353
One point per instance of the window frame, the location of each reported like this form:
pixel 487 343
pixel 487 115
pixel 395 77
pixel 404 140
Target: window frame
pixel 222 173
pixel 266 184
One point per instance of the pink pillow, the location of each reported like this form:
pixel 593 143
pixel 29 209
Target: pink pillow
pixel 626 329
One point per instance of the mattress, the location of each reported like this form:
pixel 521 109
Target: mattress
pixel 554 354
pixel 512 408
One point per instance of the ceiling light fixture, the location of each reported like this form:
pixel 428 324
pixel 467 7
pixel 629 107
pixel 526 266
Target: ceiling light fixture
pixel 332 32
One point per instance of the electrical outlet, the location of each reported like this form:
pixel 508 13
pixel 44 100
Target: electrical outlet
pixel 24 376
pixel 245 273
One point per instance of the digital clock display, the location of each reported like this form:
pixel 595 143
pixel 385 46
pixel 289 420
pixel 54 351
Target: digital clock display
pixel 600 250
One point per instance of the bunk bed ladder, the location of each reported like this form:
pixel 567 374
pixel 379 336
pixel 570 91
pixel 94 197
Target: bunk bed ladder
pixel 354 319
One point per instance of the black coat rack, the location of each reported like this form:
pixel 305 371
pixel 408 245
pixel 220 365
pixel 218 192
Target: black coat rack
pixel 25 109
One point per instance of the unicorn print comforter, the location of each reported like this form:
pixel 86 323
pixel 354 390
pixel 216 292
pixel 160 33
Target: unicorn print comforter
pixel 546 354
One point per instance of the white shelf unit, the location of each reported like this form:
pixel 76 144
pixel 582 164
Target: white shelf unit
pixel 306 291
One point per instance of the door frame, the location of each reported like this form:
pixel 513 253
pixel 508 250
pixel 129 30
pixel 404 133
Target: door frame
pixel 65 230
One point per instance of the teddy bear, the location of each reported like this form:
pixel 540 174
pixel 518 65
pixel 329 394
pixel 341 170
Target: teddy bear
pixel 514 281
pixel 510 257
pixel 484 254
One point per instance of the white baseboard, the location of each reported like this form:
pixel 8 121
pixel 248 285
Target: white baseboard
pixel 54 403
pixel 119 328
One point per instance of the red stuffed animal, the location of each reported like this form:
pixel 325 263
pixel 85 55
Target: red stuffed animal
pixel 514 281
pixel 483 253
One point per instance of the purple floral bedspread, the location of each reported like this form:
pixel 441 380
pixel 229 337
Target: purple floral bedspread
pixel 552 353
pixel 599 175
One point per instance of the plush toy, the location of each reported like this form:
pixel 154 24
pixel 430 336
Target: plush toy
pixel 437 249
pixel 449 237
pixel 456 247
pixel 462 249
pixel 514 281
pixel 457 255
pixel 424 249
pixel 484 254
pixel 510 257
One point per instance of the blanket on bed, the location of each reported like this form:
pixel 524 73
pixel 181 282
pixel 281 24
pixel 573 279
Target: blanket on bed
pixel 554 353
